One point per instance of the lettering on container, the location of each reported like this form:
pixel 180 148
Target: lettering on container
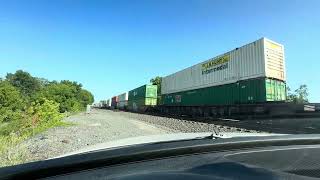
pixel 274 46
pixel 216 64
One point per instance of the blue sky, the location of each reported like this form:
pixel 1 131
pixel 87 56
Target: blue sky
pixel 116 45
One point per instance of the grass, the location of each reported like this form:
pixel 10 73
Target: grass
pixel 11 151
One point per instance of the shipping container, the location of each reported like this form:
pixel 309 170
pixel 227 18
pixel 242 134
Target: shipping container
pixel 109 103
pixel 262 58
pixel 123 101
pixel 141 98
pixel 114 102
pixel 103 103
pixel 258 90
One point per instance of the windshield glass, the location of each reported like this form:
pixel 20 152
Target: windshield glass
pixel 75 74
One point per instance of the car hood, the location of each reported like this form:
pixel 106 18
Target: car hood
pixel 140 140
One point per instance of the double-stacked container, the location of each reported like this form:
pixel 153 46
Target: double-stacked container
pixel 114 102
pixel 141 98
pixel 123 101
pixel 254 73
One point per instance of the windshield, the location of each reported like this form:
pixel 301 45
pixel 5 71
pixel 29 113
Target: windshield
pixel 75 74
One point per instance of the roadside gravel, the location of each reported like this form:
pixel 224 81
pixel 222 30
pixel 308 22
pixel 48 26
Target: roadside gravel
pixel 102 126
pixel 97 127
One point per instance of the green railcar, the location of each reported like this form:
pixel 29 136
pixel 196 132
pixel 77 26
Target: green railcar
pixel 259 90
pixel 142 97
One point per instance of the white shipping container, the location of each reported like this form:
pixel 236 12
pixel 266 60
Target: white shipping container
pixel 262 58
pixel 108 102
pixel 122 100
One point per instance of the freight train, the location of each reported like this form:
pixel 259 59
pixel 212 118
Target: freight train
pixel 247 81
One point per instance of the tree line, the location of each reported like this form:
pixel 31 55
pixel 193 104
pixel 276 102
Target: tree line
pixel 29 105
pixel 20 90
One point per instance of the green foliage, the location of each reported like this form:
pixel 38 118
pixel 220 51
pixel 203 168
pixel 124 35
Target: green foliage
pixel 299 96
pixel 157 81
pixel 69 95
pixel 85 97
pixel 11 103
pixel 29 105
pixel 44 111
pixel 22 80
pixel 39 117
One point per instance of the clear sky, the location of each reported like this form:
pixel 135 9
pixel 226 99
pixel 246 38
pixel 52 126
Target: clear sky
pixel 114 46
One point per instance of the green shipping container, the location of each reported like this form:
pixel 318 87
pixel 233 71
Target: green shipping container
pixel 142 97
pixel 242 92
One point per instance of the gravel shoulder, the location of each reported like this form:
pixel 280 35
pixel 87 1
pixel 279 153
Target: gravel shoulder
pixel 97 127
pixel 101 126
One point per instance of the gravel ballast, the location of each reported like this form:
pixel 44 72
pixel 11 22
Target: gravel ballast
pixel 182 125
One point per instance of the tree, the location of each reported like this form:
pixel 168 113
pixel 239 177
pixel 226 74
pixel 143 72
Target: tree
pixel 291 97
pixel 11 102
pixel 43 82
pixel 299 96
pixel 85 97
pixel 22 80
pixel 60 93
pixel 69 95
pixel 302 94
pixel 157 81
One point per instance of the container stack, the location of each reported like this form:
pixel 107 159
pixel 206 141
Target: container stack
pixel 142 97
pixel 114 102
pixel 123 101
pixel 254 73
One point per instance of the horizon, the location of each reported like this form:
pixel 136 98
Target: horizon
pixel 111 48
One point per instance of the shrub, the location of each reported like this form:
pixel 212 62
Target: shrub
pixel 11 102
pixel 44 113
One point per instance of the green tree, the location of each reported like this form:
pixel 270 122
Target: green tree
pixel 291 97
pixel 69 95
pixel 85 97
pixel 43 82
pixel 302 94
pixel 60 93
pixel 299 96
pixel 11 102
pixel 157 81
pixel 27 84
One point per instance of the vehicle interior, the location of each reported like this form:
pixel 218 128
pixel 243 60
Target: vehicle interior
pixel 271 157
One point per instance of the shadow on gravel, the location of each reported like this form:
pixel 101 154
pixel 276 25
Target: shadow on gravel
pixel 284 126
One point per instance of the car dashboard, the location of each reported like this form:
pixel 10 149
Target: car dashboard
pixel 286 157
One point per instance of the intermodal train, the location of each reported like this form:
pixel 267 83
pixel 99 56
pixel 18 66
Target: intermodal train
pixel 247 81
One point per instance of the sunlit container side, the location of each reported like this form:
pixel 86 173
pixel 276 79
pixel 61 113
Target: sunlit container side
pixel 123 101
pixel 108 103
pixel 103 103
pixel 262 58
pixel 143 97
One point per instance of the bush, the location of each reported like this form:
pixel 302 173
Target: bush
pixel 29 105
pixel 11 103
pixel 45 111
pixel 41 115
